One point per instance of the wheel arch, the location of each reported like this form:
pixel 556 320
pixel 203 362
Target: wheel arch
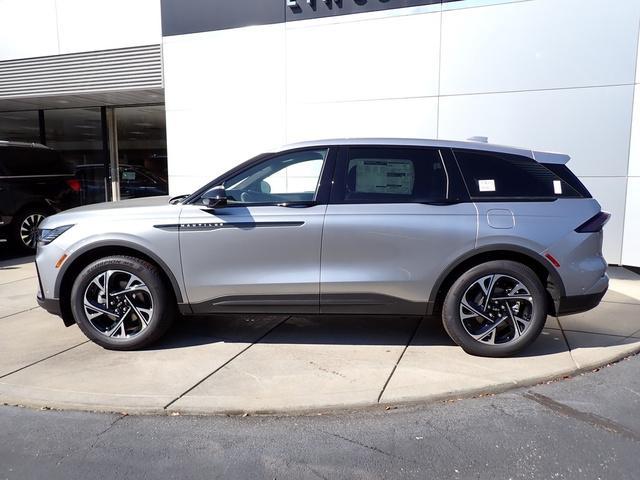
pixel 549 277
pixel 83 257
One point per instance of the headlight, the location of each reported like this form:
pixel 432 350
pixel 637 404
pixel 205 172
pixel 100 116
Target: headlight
pixel 48 235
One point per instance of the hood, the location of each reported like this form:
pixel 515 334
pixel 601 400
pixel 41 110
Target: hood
pixel 132 203
pixel 143 208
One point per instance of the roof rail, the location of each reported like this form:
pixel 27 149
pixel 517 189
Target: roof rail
pixel 479 139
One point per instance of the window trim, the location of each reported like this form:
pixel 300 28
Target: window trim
pixel 457 191
pixel 322 192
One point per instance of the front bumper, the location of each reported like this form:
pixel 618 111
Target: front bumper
pixel 51 305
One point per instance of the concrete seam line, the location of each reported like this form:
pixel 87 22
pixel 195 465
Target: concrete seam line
pixel 18 313
pixel 42 359
pixel 393 370
pixel 200 382
pixel 566 342
pixel 17 280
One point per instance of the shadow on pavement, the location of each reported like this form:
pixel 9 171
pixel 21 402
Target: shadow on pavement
pixel 10 258
pixel 356 331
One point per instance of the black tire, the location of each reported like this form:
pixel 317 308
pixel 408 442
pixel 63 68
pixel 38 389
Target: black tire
pixel 15 230
pixel 162 311
pixel 537 311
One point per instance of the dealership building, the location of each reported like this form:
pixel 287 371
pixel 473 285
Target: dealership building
pixel 189 88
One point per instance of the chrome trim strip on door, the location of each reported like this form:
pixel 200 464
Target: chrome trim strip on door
pixel 205 227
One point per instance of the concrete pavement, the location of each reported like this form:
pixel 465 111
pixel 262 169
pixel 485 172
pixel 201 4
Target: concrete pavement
pixel 237 364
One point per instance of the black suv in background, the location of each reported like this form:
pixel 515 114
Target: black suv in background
pixel 135 182
pixel 34 182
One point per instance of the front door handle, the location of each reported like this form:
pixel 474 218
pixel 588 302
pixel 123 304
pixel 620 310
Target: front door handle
pixel 297 205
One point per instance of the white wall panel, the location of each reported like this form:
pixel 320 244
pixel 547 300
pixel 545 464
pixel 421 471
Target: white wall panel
pixel 27 28
pixel 539 44
pixel 412 117
pixel 634 151
pixel 631 242
pixel 611 193
pixel 590 124
pixel 225 100
pixel 392 57
pixel 104 24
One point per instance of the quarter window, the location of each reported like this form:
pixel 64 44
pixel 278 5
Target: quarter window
pixel 394 174
pixel 499 176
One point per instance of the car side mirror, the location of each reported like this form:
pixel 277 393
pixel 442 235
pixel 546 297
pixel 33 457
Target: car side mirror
pixel 216 197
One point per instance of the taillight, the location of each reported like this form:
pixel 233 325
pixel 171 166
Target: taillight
pixel 74 184
pixel 595 223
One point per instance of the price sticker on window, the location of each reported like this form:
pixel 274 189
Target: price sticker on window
pixel 557 187
pixel 487 185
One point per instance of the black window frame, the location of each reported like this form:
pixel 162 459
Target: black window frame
pixel 457 190
pixel 322 194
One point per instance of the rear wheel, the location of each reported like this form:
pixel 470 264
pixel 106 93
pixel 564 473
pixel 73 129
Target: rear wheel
pixel 24 229
pixel 122 303
pixel 495 309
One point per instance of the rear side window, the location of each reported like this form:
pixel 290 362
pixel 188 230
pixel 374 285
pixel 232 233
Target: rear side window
pixel 499 176
pixel 393 175
pixel 18 162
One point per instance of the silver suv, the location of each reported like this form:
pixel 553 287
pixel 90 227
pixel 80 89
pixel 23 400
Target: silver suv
pixel 492 238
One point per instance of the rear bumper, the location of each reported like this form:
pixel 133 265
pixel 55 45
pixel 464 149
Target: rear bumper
pixel 582 303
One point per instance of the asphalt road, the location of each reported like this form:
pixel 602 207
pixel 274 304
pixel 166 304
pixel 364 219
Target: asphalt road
pixel 586 427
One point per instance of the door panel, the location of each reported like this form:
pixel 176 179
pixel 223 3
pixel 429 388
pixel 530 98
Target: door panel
pixel 385 258
pixel 261 252
pixel 252 259
pixel 397 218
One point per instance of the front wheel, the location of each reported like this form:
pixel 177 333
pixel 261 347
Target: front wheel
pixel 121 303
pixel 495 309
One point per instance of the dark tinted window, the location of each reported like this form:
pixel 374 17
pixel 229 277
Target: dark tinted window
pixel 499 176
pixel 563 172
pixel 394 174
pixel 22 161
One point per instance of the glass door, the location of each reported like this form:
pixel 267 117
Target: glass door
pixel 141 151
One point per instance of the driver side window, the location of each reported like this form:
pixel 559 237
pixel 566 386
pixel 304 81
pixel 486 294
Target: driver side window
pixel 286 178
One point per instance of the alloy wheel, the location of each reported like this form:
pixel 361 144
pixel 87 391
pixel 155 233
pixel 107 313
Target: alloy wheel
pixel 496 309
pixel 118 304
pixel 29 229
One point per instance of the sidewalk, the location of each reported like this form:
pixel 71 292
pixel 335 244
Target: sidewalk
pixel 264 364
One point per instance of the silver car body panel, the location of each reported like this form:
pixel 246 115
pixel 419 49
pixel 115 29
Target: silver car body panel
pixel 383 258
pixel 260 255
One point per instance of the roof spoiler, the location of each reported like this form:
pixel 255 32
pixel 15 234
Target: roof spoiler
pixel 547 157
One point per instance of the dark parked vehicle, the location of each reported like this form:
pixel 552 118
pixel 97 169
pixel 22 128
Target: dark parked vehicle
pixel 135 182
pixel 34 183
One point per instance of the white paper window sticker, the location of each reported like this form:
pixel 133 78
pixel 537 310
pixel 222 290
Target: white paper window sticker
pixel 487 185
pixel 557 187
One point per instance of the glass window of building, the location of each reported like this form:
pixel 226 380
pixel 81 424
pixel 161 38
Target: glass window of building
pixel 20 126
pixel 76 133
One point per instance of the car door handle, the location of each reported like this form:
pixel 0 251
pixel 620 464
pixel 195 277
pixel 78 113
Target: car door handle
pixel 297 205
